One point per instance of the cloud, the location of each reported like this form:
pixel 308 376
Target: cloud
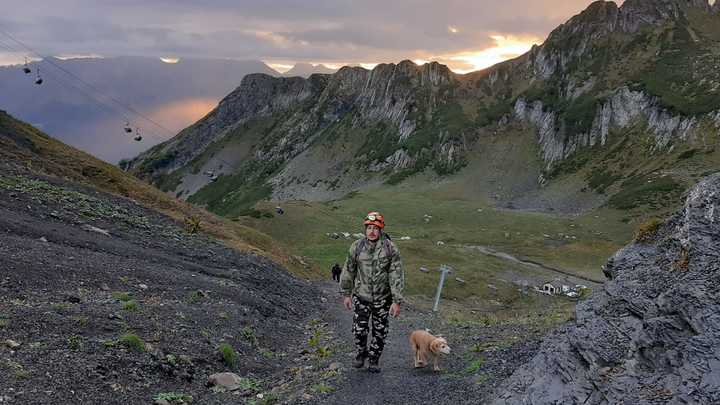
pixel 330 31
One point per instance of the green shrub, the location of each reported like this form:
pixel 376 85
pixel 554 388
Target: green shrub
pixel 228 354
pixel 132 342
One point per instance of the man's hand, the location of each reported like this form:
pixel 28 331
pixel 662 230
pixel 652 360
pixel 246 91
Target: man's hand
pixel 395 309
pixel 347 301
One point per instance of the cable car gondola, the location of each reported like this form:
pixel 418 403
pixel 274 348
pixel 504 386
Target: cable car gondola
pixel 138 137
pixel 128 129
pixel 26 69
pixel 38 78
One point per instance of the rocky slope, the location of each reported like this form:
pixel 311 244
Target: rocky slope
pixel 652 334
pixel 106 300
pixel 645 73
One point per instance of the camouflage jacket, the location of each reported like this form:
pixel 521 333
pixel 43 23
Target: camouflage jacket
pixel 373 271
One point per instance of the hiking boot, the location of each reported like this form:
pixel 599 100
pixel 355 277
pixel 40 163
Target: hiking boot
pixel 373 366
pixel 359 361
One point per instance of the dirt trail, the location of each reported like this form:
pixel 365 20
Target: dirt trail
pixel 400 383
pixel 531 263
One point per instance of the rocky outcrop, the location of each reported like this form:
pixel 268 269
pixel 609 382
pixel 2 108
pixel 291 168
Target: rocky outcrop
pixel 622 110
pixel 259 95
pixel 652 333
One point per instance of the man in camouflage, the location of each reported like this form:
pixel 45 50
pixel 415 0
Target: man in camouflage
pixel 372 283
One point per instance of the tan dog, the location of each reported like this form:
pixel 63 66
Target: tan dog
pixel 423 343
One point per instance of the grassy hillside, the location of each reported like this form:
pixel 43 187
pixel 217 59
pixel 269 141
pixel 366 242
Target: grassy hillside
pixel 25 145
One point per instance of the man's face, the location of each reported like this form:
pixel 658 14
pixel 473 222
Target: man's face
pixel 372 232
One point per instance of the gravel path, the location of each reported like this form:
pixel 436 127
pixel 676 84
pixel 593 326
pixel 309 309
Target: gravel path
pixel 468 377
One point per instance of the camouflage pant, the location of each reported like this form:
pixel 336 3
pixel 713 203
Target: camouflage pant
pixel 364 311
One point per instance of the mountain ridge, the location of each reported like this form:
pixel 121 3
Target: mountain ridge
pixel 604 72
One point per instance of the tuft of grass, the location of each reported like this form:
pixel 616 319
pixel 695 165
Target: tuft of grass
pixel 122 296
pixel 248 384
pixel 81 321
pixel 60 307
pixel 314 340
pixel 173 397
pixel 323 352
pixel 131 305
pixel 132 342
pixel 196 296
pixel 192 225
pixel 268 398
pixel 268 354
pixel 228 354
pixel 647 230
pixel 4 322
pixel 19 372
pixel 322 388
pixel 249 334
pixel 474 366
pixel 75 342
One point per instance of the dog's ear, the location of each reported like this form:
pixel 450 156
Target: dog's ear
pixel 435 345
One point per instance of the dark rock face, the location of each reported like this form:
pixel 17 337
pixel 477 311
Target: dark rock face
pixel 652 334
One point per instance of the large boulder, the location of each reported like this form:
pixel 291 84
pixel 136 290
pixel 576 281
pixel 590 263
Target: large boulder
pixel 652 333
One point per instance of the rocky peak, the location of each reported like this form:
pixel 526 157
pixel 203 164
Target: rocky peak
pixel 579 36
pixel 635 13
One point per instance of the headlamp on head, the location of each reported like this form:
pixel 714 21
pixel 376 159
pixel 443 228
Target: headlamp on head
pixel 374 218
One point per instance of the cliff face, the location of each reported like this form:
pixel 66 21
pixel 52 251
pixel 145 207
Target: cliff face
pixel 622 110
pixel 652 333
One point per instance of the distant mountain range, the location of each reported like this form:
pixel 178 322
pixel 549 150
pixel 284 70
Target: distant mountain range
pixel 172 94
pixel 306 69
pixel 619 107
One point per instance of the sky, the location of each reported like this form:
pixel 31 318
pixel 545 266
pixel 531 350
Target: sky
pixel 466 35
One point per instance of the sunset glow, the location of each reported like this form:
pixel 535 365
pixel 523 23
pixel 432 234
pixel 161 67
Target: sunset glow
pixel 506 47
pixel 182 113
